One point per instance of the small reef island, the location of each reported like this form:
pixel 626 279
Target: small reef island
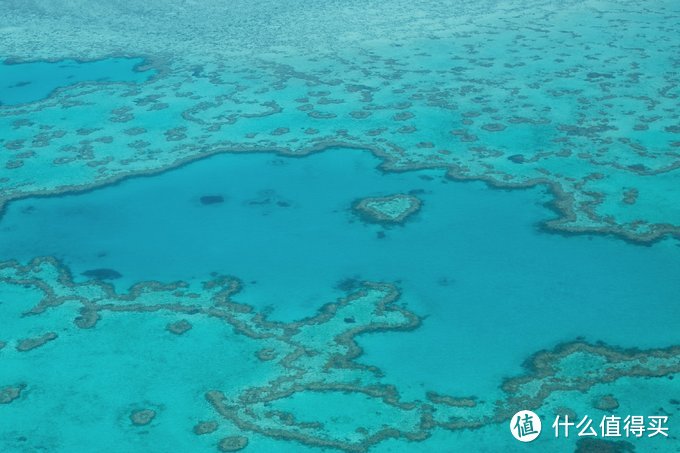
pixel 387 210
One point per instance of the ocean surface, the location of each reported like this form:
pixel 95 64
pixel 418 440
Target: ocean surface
pixel 185 263
pixel 29 82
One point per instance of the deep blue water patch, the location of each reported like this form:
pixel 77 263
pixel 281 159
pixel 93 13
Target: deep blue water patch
pixel 22 83
pixel 494 288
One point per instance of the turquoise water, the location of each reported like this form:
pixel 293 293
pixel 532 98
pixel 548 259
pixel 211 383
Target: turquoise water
pixel 232 147
pixel 22 83
pixel 473 260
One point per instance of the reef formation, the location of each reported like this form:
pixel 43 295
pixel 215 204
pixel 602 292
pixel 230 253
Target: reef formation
pixel 486 102
pixel 316 357
pixel 388 210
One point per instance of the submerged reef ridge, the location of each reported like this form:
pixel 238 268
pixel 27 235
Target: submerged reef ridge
pixel 451 90
pixel 318 355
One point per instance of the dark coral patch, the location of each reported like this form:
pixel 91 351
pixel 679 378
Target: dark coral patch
pixel 102 274
pixel 205 428
pixel 517 158
pixel 606 403
pixel 212 199
pixel 28 344
pixel 11 393
pixel 599 75
pixel 142 417
pixel 588 445
pixel 179 327
pixel 233 443
pixel 494 127
pixel 348 284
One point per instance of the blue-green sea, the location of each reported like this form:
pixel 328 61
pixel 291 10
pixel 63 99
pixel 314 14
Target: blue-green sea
pixel 285 228
pixel 29 82
pixel 376 227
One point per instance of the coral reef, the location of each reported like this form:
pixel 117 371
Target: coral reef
pixel 11 393
pixel 142 417
pixel 179 327
pixel 606 403
pixel 205 428
pixel 28 344
pixel 388 210
pixel 233 443
pixel 315 357
pixel 394 100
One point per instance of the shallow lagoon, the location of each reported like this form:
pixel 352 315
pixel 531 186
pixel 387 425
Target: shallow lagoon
pixel 33 81
pixel 473 261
